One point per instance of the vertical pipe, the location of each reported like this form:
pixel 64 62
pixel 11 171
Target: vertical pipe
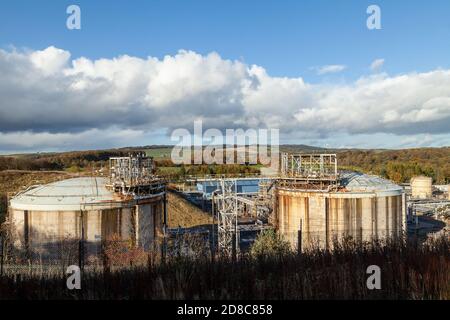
pixel 335 166
pixel 292 166
pixel 321 164
pixel 81 243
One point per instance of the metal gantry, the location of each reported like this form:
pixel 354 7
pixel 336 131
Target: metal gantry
pixel 308 172
pixel 264 200
pixel 233 206
pixel 311 166
pixel 228 235
pixel 134 176
pixel 132 170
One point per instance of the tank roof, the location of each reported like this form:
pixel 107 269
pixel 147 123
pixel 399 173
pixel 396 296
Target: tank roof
pixel 421 177
pixel 359 182
pixel 66 195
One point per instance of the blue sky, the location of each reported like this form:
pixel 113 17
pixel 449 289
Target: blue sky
pixel 286 37
pixel 290 39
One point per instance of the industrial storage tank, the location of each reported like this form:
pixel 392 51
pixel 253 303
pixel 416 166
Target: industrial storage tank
pixel 421 187
pixel 90 209
pixel 316 208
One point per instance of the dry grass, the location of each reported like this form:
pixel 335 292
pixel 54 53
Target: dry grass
pixel 407 272
pixel 13 181
pixel 183 213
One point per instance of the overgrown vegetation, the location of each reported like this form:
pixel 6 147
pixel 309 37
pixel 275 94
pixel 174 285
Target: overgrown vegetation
pixel 269 244
pixel 409 271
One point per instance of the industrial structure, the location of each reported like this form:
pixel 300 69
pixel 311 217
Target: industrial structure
pixel 317 206
pixel 313 205
pixel 239 213
pixel 129 204
pixel 360 206
pixel 421 187
pixel 309 203
pixel 427 205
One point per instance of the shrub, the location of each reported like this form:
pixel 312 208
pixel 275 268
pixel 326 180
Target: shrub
pixel 269 244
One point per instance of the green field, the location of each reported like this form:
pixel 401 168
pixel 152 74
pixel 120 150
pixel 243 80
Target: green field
pixel 168 170
pixel 161 153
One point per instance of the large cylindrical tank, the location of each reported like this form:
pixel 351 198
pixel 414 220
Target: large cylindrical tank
pixel 421 187
pixel 83 209
pixel 364 209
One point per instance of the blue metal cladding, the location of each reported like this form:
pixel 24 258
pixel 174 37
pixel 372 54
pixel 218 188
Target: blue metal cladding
pixel 243 186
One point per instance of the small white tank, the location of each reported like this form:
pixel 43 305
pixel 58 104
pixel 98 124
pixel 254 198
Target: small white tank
pixel 421 187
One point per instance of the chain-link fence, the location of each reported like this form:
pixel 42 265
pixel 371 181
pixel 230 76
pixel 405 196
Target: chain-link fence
pixel 52 258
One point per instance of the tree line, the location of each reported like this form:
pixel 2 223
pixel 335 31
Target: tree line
pixel 397 165
pixel 400 165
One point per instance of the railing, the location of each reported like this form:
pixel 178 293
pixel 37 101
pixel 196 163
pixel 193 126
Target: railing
pixel 309 166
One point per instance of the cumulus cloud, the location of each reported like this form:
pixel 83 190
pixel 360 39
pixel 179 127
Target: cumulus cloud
pixel 332 68
pixel 50 60
pixel 376 64
pixel 48 100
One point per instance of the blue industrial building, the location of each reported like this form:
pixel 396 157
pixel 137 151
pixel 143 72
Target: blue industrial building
pixel 243 186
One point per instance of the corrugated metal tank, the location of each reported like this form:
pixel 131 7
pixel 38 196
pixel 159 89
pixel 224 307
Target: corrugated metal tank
pixel 366 208
pixel 44 216
pixel 421 187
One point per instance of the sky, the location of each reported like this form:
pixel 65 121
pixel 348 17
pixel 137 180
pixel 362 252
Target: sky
pixel 138 70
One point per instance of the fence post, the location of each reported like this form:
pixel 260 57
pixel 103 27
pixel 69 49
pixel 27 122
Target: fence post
pixel 233 248
pixel 299 238
pixel 299 241
pixel 81 243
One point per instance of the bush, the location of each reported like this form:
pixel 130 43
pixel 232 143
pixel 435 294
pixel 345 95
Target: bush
pixel 123 253
pixel 269 244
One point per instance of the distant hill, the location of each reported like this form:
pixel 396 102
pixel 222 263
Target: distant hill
pixel 294 148
pixel 397 165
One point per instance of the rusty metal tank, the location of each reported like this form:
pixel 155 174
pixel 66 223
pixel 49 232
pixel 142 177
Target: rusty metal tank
pixel 361 207
pixel 84 209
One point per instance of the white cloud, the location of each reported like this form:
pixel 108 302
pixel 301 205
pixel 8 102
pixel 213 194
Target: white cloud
pixel 50 60
pixel 376 64
pixel 332 68
pixel 48 100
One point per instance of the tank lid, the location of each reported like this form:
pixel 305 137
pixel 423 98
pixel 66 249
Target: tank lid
pixel 354 181
pixel 65 195
pixel 422 177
